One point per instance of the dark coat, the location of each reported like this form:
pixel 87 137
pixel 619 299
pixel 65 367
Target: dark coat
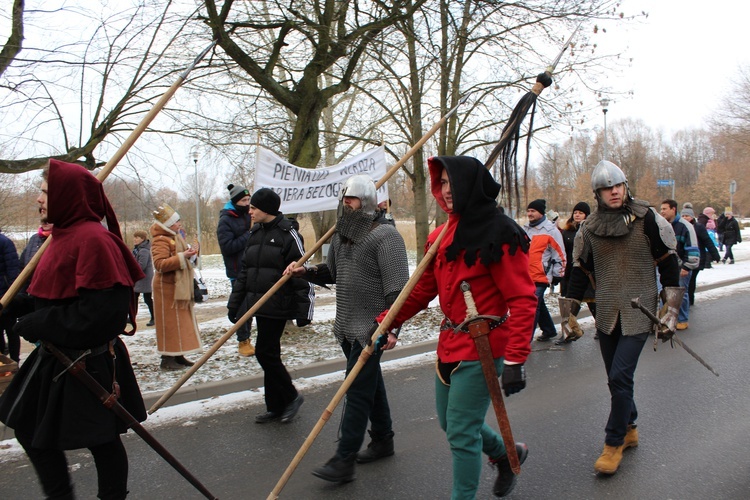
pixel 270 249
pixel 233 233
pixel 64 414
pixel 732 234
pixel 142 254
pixel 705 245
pixel 10 266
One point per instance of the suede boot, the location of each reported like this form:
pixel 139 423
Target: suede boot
pixel 609 461
pixel 506 480
pixel 631 438
pixel 182 360
pixel 169 363
pixel 338 469
pixel 380 446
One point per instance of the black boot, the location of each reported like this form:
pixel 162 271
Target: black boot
pixel 380 446
pixel 182 360
pixel 338 469
pixel 169 363
pixel 506 480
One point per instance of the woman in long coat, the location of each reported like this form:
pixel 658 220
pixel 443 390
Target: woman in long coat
pixel 177 331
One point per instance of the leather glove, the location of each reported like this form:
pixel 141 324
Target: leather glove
pixel 668 322
pixel 24 328
pixel 556 280
pixel 232 315
pixel 514 379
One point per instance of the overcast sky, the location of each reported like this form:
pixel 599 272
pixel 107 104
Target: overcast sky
pixel 684 57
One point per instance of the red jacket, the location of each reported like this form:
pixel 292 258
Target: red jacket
pixel 504 286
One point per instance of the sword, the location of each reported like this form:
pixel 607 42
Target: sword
pixel 479 328
pixel 78 370
pixel 636 303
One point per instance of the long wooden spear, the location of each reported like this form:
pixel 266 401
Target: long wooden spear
pixel 516 117
pixel 107 169
pixel 251 312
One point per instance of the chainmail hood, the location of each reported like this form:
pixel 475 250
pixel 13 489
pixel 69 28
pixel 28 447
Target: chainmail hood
pixel 354 225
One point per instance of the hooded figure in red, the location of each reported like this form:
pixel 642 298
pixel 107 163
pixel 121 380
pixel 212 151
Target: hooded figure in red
pixel 81 299
pixel 489 251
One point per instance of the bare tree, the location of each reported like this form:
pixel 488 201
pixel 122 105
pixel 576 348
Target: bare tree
pixel 113 74
pixel 15 41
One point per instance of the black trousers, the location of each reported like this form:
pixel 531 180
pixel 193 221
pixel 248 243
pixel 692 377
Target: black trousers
pixel 366 400
pixel 51 467
pixel 148 301
pixel 14 341
pixel 280 390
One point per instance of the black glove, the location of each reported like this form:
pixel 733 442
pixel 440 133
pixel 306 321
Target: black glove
pixel 514 379
pixel 232 315
pixel 25 329
pixel 556 280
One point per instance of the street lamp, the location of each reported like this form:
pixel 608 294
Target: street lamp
pixel 197 206
pixel 605 102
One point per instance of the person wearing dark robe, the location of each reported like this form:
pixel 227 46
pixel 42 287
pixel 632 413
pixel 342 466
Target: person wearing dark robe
pixel 80 300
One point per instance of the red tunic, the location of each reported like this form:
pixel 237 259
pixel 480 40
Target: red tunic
pixel 503 287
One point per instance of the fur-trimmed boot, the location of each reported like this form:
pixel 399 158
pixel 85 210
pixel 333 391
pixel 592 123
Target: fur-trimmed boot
pixel 609 461
pixel 380 446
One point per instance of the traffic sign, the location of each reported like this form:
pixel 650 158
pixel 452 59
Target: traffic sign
pixel 664 182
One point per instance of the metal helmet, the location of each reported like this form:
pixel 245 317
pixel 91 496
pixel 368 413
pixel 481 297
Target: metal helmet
pixel 605 175
pixel 362 187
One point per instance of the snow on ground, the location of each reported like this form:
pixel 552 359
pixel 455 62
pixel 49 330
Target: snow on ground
pixel 313 343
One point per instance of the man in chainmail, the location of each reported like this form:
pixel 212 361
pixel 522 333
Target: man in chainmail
pixel 367 262
pixel 619 244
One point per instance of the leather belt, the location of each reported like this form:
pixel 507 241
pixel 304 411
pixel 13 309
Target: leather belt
pixel 79 353
pixel 449 325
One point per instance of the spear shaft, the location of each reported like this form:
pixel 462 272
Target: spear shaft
pixel 251 312
pixel 107 169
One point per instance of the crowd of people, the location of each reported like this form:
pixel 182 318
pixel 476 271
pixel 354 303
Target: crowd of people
pixel 483 260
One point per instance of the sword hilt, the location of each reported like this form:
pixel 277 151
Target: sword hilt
pixel 471 306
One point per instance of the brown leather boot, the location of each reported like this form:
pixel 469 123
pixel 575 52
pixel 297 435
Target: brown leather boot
pixel 609 461
pixel 169 363
pixel 631 438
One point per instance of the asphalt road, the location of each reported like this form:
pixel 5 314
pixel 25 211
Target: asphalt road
pixel 694 433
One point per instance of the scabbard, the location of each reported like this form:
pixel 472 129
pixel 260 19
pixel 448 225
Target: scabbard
pixel 479 331
pixel 109 400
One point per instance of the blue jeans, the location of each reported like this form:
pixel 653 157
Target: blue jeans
pixel 620 355
pixel 685 306
pixel 461 410
pixel 542 316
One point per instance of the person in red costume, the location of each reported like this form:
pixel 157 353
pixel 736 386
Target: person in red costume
pixel 80 299
pixel 489 250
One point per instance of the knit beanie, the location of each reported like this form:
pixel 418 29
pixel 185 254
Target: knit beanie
pixel 539 205
pixel 236 193
pixel 687 209
pixel 267 200
pixel 584 207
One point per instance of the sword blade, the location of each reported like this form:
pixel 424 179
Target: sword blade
pixel 700 360
pixel 636 303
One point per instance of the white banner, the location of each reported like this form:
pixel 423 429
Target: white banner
pixel 312 190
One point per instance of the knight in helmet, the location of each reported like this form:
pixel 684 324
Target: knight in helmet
pixel 619 244
pixel 367 261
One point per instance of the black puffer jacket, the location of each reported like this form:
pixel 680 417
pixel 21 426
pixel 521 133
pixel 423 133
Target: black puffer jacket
pixel 232 233
pixel 732 234
pixel 270 249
